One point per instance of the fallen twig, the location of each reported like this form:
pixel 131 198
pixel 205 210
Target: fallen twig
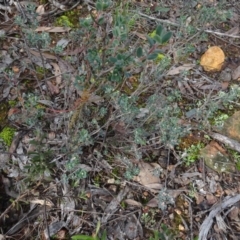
pixel 226 140
pixel 207 223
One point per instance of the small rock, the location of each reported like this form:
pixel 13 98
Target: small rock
pixel 216 159
pixel 213 59
pixel 226 75
pixel 231 127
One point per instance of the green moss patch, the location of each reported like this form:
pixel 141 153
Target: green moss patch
pixel 7 135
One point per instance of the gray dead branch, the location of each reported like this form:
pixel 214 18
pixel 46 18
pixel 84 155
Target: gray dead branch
pixel 33 213
pixel 226 140
pixel 217 209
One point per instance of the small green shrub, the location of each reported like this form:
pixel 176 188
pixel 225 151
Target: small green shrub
pixel 192 153
pixel 112 60
pixel 63 21
pixel 164 198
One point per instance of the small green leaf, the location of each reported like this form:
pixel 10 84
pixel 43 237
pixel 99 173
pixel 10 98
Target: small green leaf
pixel 162 9
pixel 82 237
pixel 150 41
pixel 101 21
pixel 158 51
pixel 99 6
pixel 159 30
pixel 152 56
pixel 112 59
pixel 166 37
pixel 158 38
pixel 104 236
pixel 139 52
pixel 98 227
pixel 120 57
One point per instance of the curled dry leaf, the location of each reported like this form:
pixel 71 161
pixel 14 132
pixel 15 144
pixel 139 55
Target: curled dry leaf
pixel 213 59
pixel 133 202
pixel 153 202
pixel 147 174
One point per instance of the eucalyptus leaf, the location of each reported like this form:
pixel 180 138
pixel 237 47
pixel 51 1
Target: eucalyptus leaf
pixel 166 37
pixel 159 30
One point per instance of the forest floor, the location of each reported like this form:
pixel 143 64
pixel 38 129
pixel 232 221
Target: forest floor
pixel 119 119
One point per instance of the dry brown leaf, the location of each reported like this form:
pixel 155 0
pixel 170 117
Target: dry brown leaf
pixel 234 213
pixel 177 70
pixel 156 186
pixel 53 29
pixel 211 199
pixel 57 73
pixel 140 35
pixel 42 202
pixel 133 202
pixel 233 31
pixel 153 202
pixel 215 86
pixel 213 59
pixel 198 197
pixel 40 11
pixel 225 85
pixel 147 174
pixel 45 55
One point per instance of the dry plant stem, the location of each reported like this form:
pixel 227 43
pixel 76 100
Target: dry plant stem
pixel 159 20
pixel 230 43
pixel 207 223
pixel 178 25
pixel 228 141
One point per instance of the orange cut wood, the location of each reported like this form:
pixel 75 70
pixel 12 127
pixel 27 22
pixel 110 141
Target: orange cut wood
pixel 213 59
